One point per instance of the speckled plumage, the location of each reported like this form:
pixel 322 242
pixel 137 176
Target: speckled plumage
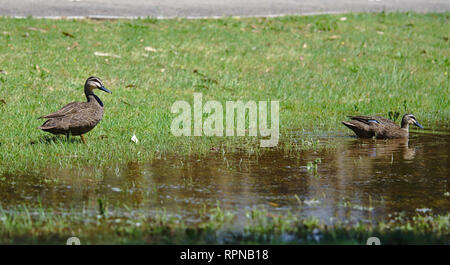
pixel 379 127
pixel 77 118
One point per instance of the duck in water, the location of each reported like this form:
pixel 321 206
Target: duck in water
pixel 381 128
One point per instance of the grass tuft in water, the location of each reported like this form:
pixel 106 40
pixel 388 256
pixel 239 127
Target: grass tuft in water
pixel 20 226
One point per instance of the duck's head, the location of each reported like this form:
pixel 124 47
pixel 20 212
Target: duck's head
pixel 410 119
pixel 94 83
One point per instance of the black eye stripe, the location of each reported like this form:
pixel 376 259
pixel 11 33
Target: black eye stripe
pixel 95 80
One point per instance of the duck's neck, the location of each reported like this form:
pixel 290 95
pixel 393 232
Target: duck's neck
pixel 405 125
pixel 91 97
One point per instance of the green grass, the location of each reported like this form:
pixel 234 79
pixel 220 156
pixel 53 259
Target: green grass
pixel 22 226
pixel 320 68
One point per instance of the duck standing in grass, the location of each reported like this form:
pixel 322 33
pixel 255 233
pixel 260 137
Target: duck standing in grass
pixel 77 118
pixel 379 127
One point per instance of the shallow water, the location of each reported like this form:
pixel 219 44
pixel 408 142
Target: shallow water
pixel 356 180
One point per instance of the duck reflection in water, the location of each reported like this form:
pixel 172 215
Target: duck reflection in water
pixel 381 148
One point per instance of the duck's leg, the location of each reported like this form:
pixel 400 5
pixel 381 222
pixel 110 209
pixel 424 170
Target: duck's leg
pixel 67 137
pixel 82 139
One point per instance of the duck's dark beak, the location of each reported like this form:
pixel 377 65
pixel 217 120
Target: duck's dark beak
pixel 418 124
pixel 105 89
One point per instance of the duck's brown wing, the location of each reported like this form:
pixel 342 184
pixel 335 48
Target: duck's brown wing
pixel 361 129
pixel 76 118
pixel 66 110
pixel 378 119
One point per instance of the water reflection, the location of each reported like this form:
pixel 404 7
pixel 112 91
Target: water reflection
pixel 357 180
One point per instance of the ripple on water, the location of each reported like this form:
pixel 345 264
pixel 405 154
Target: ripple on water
pixel 355 180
